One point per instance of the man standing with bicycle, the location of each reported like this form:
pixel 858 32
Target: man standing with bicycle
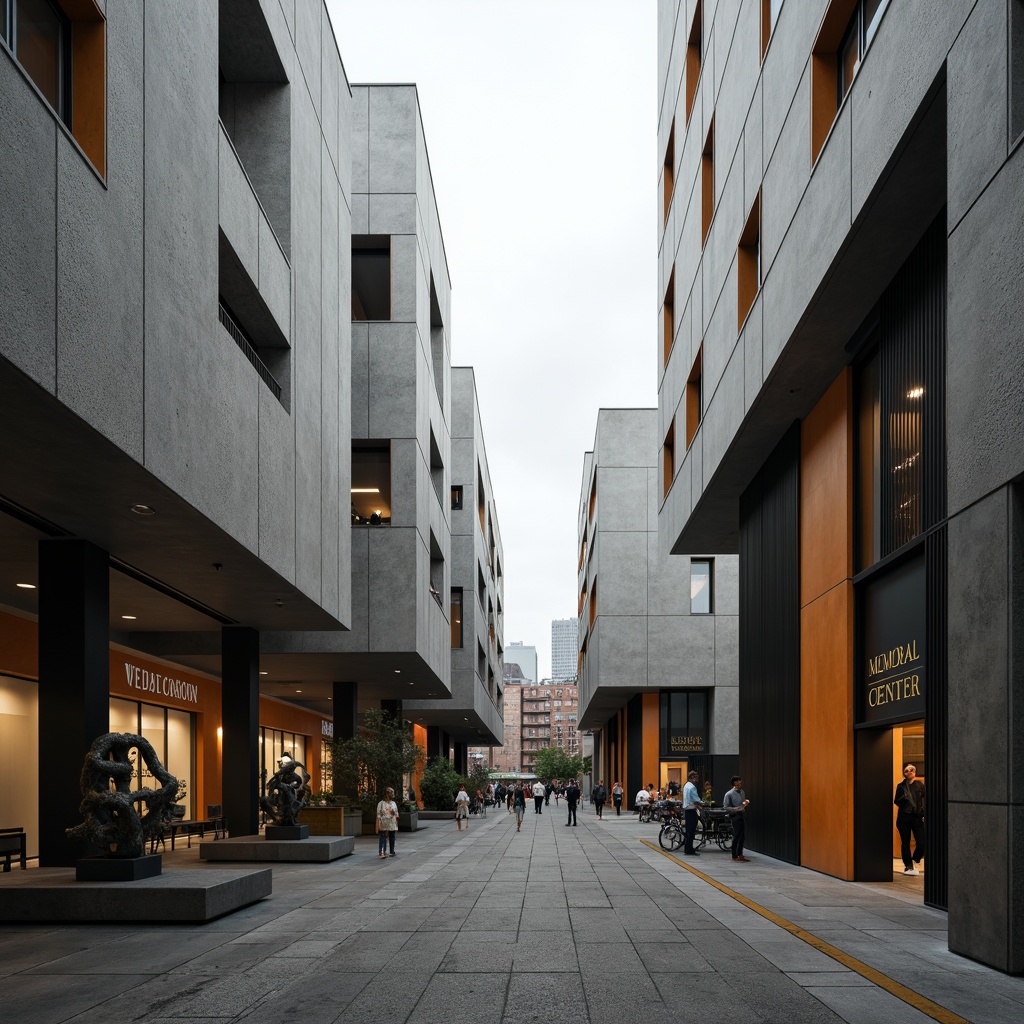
pixel 691 801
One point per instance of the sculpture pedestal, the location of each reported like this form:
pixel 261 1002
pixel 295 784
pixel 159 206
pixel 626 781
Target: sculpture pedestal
pixel 278 832
pixel 118 869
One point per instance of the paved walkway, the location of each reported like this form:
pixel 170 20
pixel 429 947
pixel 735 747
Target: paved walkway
pixel 553 924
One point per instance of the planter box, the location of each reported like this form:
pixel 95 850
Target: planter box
pixel 408 821
pixel 436 815
pixel 332 821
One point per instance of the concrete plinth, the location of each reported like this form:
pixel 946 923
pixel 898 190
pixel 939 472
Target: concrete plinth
pixel 53 894
pixel 287 832
pixel 315 849
pixel 118 869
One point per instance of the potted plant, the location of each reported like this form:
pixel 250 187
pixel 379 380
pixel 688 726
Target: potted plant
pixel 408 816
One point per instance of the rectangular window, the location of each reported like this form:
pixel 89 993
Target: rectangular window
pixel 371 483
pixel 668 325
pixel 481 501
pixel 748 263
pixel 707 184
pixel 593 498
pixel 845 34
pixel 683 721
pixel 769 17
pixel 668 459
pixel 693 57
pixel 593 603
pixel 371 277
pixel 668 172
pixel 700 586
pixel 694 397
pixel 456 498
pixel 65 57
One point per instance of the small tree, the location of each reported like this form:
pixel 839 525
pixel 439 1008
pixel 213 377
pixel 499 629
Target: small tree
pixel 578 766
pixel 379 755
pixel 439 785
pixel 552 763
pixel 478 778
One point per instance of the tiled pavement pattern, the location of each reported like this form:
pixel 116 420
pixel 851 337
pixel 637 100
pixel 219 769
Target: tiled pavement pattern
pixel 554 924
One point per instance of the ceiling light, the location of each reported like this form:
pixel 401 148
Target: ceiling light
pixel 263 673
pixel 365 490
pixel 128 617
pixel 398 671
pixel 144 510
pixel 26 586
pixel 915 392
pixel 298 691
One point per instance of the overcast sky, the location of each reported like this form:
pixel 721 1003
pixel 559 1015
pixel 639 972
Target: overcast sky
pixel 540 120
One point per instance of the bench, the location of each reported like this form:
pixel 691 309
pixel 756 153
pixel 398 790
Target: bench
pixel 12 844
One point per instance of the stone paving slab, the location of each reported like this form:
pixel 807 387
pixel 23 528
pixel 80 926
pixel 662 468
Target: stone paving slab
pixel 582 926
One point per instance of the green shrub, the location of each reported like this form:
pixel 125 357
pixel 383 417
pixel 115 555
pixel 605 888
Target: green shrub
pixel 439 785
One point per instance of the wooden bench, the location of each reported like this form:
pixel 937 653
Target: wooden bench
pixel 12 844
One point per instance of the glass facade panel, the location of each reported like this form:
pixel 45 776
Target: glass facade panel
pixel 40 42
pixel 700 587
pixel 179 758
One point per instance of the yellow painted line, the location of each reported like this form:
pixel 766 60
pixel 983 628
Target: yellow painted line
pixel 915 999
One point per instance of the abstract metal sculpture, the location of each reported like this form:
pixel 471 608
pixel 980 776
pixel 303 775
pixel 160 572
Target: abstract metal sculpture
pixel 112 821
pixel 287 792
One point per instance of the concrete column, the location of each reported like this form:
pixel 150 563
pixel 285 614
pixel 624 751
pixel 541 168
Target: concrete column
pixel 346 719
pixel 74 684
pixel 240 718
pixel 437 742
pixel 460 758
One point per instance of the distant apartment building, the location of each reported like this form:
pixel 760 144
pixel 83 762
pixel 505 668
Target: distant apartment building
pixel 657 633
pixel 506 756
pixel 550 718
pixel 565 648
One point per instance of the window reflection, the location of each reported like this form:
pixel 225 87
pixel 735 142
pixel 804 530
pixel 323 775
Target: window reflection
pixel 700 587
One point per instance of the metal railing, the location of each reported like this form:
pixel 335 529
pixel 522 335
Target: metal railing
pixel 249 350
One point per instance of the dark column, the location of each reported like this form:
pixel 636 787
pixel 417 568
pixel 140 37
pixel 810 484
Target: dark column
pixel 437 742
pixel 74 684
pixel 460 758
pixel 392 708
pixel 240 716
pixel 346 718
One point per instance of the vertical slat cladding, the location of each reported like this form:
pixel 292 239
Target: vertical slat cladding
pixel 770 651
pixel 936 720
pixel 912 371
pixel 634 747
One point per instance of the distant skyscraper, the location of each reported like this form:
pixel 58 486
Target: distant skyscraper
pixel 525 657
pixel 564 648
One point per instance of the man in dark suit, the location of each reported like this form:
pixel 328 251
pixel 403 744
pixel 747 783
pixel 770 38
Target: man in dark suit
pixel 572 796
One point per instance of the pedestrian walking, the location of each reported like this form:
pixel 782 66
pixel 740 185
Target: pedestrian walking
pixel 572 798
pixel 691 801
pixel 481 803
pixel 909 801
pixel 547 793
pixel 510 794
pixel 599 794
pixel 462 808
pixel 387 823
pixel 617 797
pixel 736 803
pixel 518 798
pixel 538 797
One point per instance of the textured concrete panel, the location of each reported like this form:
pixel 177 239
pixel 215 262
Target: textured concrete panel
pixel 978 647
pixel 239 211
pixel 626 437
pixel 727 585
pixel 405 279
pixel 392 600
pixel 976 107
pixel 724 414
pixel 622 574
pixel 392 375
pixel 275 275
pixel 623 649
pixel 753 372
pixel 978 905
pixel 408 479
pixel 681 650
pixel 330 89
pixel 392 148
pixel 753 161
pixel 360 108
pixel 985 375
pixel 727 649
pixel 622 498
pixel 725 719
pixel 787 174
pixel 740 45
pixel 360 380
pixel 100 257
pixel 811 243
pixel 668 581
pixel 392 214
pixel 277 485
pixel 28 269
pixel 308 49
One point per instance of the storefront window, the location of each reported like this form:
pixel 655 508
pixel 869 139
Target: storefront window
pixel 274 744
pixel 683 722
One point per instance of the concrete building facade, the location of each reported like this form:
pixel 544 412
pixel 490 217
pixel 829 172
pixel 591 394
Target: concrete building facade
pixel 839 184
pixel 564 648
pixel 474 715
pixel 657 635
pixel 174 418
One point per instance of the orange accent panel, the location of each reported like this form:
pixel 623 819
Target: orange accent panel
pixel 651 727
pixel 826 491
pixel 826 728
pixel 19 649
pixel 88 90
pixel 419 737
